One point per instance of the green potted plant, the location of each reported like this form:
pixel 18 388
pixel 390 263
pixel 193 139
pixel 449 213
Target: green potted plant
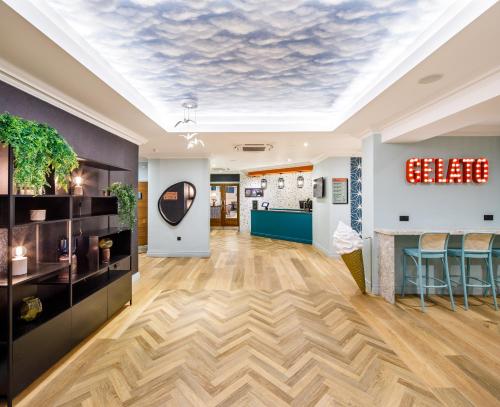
pixel 39 150
pixel 127 202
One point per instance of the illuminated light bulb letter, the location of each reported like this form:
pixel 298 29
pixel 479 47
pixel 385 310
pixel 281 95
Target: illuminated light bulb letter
pixel 413 170
pixel 467 166
pixel 481 170
pixel 454 172
pixel 439 171
pixel 427 170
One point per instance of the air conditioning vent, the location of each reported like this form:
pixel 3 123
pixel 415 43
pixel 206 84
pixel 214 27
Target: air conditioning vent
pixel 253 147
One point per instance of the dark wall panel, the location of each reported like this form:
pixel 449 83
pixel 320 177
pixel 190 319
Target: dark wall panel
pixel 89 141
pixel 224 177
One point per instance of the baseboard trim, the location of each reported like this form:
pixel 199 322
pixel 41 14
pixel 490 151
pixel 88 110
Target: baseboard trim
pixel 152 253
pixel 327 253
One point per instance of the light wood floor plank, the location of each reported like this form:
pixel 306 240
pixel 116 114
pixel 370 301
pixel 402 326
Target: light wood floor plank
pixel 274 323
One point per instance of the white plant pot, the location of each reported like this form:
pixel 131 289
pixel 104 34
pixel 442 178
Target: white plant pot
pixel 38 214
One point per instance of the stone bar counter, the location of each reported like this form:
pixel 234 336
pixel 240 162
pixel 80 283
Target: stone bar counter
pixel 390 244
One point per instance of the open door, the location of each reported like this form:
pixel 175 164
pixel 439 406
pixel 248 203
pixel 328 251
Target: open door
pixel 142 214
pixel 225 205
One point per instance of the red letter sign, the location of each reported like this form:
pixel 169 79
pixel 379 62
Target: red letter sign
pixel 413 170
pixel 481 171
pixel 460 170
pixel 454 172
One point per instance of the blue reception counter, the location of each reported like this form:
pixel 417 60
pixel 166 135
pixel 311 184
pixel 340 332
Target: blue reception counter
pixel 284 224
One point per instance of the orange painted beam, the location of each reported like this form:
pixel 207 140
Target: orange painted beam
pixel 304 168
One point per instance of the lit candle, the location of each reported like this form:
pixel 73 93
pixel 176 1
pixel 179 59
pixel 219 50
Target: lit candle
pixel 19 261
pixel 78 188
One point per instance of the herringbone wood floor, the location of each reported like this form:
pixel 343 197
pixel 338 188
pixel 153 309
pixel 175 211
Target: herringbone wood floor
pixel 268 323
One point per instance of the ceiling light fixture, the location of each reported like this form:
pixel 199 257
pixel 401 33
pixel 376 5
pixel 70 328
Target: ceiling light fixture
pixel 430 79
pixel 281 182
pixel 306 144
pixel 191 138
pixel 188 105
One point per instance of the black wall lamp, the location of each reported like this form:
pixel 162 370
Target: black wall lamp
pixel 281 182
pixel 300 181
pixel 263 183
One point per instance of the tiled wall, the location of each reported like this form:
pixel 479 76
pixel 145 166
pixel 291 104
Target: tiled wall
pixel 356 195
pixel 288 197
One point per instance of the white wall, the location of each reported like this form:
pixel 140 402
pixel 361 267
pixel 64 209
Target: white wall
pixel 195 227
pixel 142 171
pixel 326 216
pixel 287 198
pixel 387 195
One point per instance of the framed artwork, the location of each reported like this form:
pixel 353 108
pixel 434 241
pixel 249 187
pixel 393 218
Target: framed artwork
pixel 340 191
pixel 254 192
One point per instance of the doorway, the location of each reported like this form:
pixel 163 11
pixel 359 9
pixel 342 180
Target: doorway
pixel 142 214
pixel 224 205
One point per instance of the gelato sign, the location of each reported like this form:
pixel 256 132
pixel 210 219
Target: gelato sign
pixel 452 171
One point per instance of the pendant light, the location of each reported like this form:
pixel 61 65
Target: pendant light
pixel 300 181
pixel 263 183
pixel 281 182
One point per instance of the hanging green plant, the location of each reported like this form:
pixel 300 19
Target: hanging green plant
pixel 127 202
pixel 38 151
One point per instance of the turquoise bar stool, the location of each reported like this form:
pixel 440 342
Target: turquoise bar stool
pixel 475 246
pixel 430 246
pixel 495 253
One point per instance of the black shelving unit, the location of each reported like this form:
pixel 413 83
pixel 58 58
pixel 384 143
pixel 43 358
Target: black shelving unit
pixel 77 297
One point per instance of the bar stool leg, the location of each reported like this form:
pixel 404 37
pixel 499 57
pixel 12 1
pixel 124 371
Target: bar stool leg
pixel 492 282
pixel 468 270
pixel 404 275
pixel 421 283
pixel 448 281
pixel 462 274
pixel 427 277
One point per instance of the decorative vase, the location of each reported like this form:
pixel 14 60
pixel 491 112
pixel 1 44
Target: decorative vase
pixel 37 214
pixel 105 255
pixel 30 308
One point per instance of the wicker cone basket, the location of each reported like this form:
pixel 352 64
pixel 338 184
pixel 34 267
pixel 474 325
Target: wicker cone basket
pixel 354 262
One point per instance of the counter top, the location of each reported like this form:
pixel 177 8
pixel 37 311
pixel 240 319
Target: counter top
pixel 416 232
pixel 300 211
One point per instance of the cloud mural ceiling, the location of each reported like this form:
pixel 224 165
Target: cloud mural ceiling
pixel 247 56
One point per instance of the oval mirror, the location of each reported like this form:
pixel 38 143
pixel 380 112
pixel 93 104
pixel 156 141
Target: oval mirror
pixel 176 201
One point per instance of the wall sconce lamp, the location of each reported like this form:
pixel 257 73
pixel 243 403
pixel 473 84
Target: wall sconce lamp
pixel 300 181
pixel 263 183
pixel 281 182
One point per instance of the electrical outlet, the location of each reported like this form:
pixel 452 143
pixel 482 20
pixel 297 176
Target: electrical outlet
pixel 179 238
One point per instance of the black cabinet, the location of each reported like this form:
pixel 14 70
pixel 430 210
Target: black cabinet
pixel 78 293
pixel 119 292
pixel 36 351
pixel 89 314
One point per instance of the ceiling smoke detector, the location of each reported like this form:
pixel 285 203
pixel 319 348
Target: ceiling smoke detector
pixel 252 148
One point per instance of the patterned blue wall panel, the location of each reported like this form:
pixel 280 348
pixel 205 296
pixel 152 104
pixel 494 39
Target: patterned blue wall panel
pixel 356 195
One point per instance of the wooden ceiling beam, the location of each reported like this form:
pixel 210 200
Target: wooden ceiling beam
pixel 303 168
